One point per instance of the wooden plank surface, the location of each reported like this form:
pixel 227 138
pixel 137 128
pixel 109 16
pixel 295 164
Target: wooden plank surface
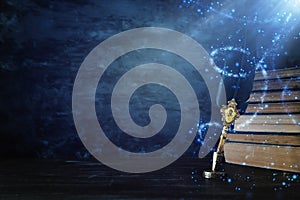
pixel 265 139
pixel 277 96
pixel 265 156
pixel 269 123
pixel 276 84
pixel 284 108
pixel 282 73
pixel 27 179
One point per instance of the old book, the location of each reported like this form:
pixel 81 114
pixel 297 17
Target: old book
pixel 269 132
pixel 280 157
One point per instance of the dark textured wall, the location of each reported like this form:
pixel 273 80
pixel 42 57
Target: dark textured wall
pixel 43 44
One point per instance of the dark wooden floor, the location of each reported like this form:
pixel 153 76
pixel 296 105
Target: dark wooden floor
pixel 58 179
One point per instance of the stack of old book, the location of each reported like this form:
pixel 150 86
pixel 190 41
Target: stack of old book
pixel 268 134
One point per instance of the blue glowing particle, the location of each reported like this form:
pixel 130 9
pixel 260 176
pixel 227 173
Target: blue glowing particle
pixel 233 10
pixel 229 180
pixel 198 10
pixel 265 66
pixel 283 183
pixel 294 176
pixel 255 18
pixel 237 188
pixel 237 64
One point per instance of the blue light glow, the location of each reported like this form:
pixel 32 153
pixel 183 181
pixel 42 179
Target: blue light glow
pixel 295 176
pixel 273 22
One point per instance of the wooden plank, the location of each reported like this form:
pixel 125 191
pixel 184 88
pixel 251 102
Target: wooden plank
pixel 42 179
pixel 282 73
pixel 276 84
pixel 264 156
pixel 278 96
pixel 265 139
pixel 287 107
pixel 269 123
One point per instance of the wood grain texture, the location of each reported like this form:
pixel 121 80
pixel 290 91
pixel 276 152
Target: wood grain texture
pixel 269 123
pixel 265 156
pixel 26 179
pixel 269 108
pixel 276 84
pixel 269 119
pixel 282 73
pixel 277 96
pixel 269 128
pixel 265 139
